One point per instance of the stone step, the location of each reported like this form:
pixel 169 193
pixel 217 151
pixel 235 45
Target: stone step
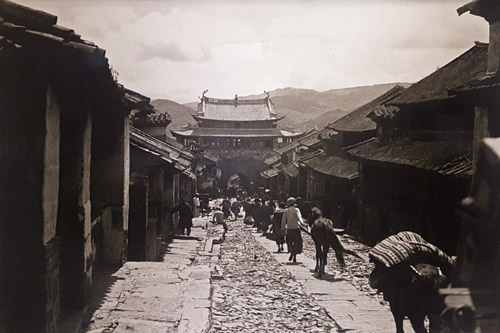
pixel 209 244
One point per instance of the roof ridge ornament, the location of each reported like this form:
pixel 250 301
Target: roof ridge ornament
pixel 203 95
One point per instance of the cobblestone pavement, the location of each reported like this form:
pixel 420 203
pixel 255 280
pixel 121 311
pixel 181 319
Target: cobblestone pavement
pixel 344 294
pixel 168 296
pixel 356 272
pixel 241 285
pixel 252 292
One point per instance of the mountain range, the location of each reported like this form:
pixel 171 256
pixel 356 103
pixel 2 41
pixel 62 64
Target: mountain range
pixel 303 108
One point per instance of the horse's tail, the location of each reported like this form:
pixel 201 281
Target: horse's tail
pixel 336 245
pixel 339 249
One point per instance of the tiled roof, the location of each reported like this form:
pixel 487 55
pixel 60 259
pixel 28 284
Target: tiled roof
pixel 67 56
pixel 273 159
pixel 6 46
pixel 311 133
pixel 357 120
pixel 136 100
pixel 469 66
pixel 30 27
pixel 489 9
pixel 225 132
pixel 444 157
pixel 152 119
pixel 290 170
pixel 308 139
pixel 383 112
pixel 333 166
pixel 485 82
pixel 269 173
pixel 237 110
pixel 315 139
pixel 167 151
pixel 300 161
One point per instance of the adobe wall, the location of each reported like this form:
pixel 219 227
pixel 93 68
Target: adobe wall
pixel 29 260
pixel 110 182
pixel 74 217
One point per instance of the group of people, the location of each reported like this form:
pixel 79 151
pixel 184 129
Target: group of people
pixel 187 211
pixel 279 221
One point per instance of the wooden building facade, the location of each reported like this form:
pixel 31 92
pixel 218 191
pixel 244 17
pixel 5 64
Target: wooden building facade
pixel 66 144
pixel 414 174
pixel 475 288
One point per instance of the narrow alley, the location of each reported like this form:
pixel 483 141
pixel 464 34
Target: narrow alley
pixel 240 285
pixel 371 153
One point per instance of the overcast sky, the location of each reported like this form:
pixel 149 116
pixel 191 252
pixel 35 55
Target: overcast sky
pixel 176 49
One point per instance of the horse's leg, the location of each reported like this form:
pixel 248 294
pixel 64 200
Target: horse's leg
pixel 398 319
pixel 318 256
pixel 396 307
pixel 324 257
pixel 417 322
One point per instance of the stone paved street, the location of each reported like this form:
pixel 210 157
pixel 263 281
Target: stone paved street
pixel 241 285
pixel 350 302
pixel 257 294
pixel 168 296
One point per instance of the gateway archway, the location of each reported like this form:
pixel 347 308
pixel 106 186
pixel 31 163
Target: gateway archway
pixel 243 171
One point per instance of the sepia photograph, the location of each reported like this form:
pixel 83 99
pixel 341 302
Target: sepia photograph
pixel 189 166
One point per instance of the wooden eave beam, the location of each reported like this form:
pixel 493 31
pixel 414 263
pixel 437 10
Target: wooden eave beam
pixel 19 13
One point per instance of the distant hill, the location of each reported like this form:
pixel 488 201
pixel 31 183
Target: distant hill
pixel 304 108
pixel 180 114
pixel 322 120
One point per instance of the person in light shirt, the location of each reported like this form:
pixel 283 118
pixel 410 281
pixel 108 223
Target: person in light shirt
pixel 292 221
pixel 219 218
pixel 196 205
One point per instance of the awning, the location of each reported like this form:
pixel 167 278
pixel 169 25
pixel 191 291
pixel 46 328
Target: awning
pixel 444 157
pixel 269 173
pixel 273 159
pixel 333 166
pixel 290 170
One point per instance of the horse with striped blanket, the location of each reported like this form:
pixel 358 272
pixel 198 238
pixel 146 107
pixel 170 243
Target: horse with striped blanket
pixel 409 271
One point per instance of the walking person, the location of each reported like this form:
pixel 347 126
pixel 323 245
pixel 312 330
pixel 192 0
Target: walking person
pixel 267 211
pixel 185 216
pixel 196 205
pixel 278 234
pixel 291 221
pixel 258 214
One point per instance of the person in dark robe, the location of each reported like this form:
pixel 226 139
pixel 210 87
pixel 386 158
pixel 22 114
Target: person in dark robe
pixel 185 216
pixel 226 208
pixel 266 212
pixel 247 207
pixel 235 208
pixel 278 234
pixel 258 214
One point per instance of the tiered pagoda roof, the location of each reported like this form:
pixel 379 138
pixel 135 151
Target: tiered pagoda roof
pixel 237 109
pixel 233 132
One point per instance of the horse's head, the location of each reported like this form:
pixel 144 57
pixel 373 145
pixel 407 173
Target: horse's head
pixel 315 214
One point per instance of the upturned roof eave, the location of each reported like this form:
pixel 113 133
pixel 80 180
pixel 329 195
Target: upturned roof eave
pixel 279 117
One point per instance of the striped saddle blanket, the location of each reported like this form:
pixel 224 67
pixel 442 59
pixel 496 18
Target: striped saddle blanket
pixel 411 248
